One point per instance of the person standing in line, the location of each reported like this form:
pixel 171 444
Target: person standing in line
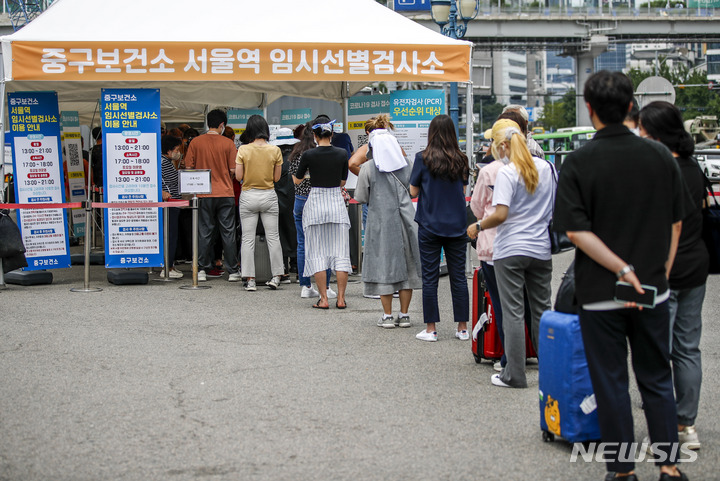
pixel 215 152
pixel 325 218
pixel 171 153
pixel 523 201
pixel 259 166
pixel 662 121
pixel 285 189
pixel 302 191
pixel 391 260
pixel 621 199
pixel 438 178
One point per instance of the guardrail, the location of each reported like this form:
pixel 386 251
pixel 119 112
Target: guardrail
pixel 539 9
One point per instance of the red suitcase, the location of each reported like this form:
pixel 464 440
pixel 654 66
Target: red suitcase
pixel 486 342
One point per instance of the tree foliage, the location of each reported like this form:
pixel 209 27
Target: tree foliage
pixel 490 108
pixel 559 113
pixel 692 101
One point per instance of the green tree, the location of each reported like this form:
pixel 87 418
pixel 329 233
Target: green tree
pixel 692 101
pixel 487 108
pixel 559 113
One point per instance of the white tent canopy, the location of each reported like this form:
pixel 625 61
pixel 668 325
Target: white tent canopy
pixel 242 54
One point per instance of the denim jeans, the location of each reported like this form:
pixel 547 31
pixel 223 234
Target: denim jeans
pixel 297 213
pixel 454 247
pixel 685 307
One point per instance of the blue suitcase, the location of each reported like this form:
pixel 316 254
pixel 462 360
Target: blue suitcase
pixel 567 401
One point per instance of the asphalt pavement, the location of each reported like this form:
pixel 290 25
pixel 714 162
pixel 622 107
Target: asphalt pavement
pixel 154 382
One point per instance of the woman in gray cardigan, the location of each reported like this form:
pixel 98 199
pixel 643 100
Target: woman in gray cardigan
pixel 391 260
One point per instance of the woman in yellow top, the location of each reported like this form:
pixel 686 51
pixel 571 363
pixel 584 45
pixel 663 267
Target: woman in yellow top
pixel 259 166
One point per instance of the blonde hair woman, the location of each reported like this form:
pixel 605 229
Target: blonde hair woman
pixel 523 198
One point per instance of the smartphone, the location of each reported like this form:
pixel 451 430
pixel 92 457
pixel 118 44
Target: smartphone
pixel 625 292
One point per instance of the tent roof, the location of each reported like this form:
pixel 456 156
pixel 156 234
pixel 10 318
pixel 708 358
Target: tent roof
pixel 253 51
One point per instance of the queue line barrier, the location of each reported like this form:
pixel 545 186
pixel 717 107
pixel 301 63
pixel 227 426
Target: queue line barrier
pixel 89 206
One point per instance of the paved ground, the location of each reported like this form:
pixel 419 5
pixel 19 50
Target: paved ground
pixel 155 382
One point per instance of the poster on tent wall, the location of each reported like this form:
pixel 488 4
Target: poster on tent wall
pixel 411 112
pixel 360 109
pixel 75 169
pixel 131 155
pixel 294 117
pixel 37 165
pixel 237 120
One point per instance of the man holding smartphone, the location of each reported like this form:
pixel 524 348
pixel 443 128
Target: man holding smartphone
pixel 621 199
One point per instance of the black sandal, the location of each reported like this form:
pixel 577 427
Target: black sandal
pixel 318 306
pixel 339 306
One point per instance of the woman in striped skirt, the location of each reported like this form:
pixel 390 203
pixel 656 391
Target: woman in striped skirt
pixel 325 218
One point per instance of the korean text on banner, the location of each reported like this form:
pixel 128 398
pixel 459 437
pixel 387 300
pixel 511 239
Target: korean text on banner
pixel 37 165
pixel 294 117
pixel 131 155
pixel 360 109
pixel 411 111
pixel 237 120
pixel 146 61
pixel 75 181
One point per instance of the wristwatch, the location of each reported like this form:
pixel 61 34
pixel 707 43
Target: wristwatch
pixel 479 227
pixel 628 268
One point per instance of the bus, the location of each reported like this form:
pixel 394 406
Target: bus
pixel 563 140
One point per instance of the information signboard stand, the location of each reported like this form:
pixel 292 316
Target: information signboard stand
pixel 195 182
pixel 88 233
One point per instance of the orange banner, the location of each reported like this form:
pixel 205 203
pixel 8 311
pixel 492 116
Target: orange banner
pixel 152 61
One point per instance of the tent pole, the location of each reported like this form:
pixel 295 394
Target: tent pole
pixel 2 151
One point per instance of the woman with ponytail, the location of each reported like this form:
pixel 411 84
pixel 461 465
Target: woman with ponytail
pixel 523 199
pixel 662 121
pixel 438 177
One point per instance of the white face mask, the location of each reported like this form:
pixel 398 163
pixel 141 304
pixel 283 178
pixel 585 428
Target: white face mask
pixel 175 155
pixel 505 160
pixel 635 131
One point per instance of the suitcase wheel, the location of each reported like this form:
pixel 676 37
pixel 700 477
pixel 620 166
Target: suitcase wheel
pixel 478 359
pixel 548 437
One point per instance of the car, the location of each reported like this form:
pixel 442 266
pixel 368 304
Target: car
pixel 710 165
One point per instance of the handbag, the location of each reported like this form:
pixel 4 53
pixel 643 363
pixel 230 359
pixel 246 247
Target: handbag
pixel 565 299
pixel 711 228
pixel 11 243
pixel 559 241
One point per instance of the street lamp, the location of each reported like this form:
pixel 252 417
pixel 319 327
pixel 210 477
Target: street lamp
pixel 446 14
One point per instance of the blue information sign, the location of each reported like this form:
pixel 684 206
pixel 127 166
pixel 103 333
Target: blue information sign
pixel 37 165
pixel 132 174
pixel 411 5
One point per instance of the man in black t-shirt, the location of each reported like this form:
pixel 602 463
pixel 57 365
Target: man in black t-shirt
pixel 621 200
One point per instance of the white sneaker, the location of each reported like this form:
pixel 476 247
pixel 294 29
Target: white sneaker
pixel 426 336
pixel 402 321
pixel 202 277
pixel 689 438
pixel 462 335
pixel 250 285
pixel 495 379
pixel 386 322
pixel 368 296
pixel 331 294
pixel 498 367
pixel 273 283
pixel 173 274
pixel 309 292
pixel 235 277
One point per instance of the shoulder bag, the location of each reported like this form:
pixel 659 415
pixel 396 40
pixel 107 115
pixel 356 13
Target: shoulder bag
pixel 559 241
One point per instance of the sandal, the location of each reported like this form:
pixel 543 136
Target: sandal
pixel 318 306
pixel 339 306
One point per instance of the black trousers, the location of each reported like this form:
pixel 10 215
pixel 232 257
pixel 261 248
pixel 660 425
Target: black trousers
pixel 606 335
